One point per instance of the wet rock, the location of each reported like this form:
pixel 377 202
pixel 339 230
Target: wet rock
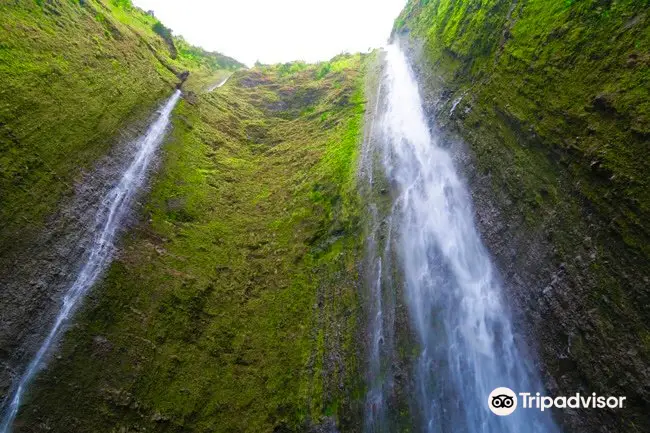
pixel 603 102
pixel 34 278
pixel 328 425
pixel 182 76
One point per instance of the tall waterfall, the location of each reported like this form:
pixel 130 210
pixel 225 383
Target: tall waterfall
pixel 465 344
pixel 115 206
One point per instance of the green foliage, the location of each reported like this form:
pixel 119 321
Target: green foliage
pixel 124 4
pixel 200 58
pixel 323 69
pixel 233 305
pixel 166 35
pixel 290 68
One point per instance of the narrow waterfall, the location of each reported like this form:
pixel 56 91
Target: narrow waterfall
pixel 452 293
pixel 115 206
pixel 219 84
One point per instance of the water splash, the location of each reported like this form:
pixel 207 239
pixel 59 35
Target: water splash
pixel 453 295
pixel 114 207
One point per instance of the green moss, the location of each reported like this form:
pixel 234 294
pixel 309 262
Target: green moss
pixel 539 67
pixel 233 305
pixel 74 74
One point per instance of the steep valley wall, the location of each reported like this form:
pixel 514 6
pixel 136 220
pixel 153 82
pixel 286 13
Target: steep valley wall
pixel 233 302
pixel 546 106
pixel 80 80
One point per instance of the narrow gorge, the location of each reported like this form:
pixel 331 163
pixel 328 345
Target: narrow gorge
pixel 378 242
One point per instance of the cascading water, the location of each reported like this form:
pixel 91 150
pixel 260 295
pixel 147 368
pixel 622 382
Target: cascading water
pixel 219 84
pixel 380 298
pixel 115 206
pixel 381 325
pixel 463 331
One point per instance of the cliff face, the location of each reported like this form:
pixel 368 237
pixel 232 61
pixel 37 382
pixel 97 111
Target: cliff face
pixel 79 81
pixel 239 297
pixel 546 105
pixel 74 75
pixel 233 303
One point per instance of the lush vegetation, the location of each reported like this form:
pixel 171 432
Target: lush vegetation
pixel 73 75
pixel 233 305
pixel 553 98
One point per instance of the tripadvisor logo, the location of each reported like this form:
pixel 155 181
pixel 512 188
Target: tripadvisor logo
pixel 503 401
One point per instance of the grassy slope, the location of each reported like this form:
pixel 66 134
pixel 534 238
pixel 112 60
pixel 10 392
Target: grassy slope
pixel 556 107
pixel 233 305
pixel 72 77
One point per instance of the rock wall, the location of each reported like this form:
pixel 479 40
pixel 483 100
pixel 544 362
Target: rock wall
pixel 80 81
pixel 233 303
pixel 545 105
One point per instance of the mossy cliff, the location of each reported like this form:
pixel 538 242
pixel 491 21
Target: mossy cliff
pixel 73 75
pixel 236 301
pixel 233 303
pixel 552 100
pixel 80 79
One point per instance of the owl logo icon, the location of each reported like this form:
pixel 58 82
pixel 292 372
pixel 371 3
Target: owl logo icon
pixel 502 401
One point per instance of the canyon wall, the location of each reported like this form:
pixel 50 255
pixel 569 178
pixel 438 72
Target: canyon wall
pixel 546 106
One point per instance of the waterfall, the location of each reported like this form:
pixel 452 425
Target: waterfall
pixel 110 215
pixel 219 84
pixel 453 296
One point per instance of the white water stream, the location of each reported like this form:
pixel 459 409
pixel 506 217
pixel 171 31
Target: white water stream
pixel 109 218
pixel 219 84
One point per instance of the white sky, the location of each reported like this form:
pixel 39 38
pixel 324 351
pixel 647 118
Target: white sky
pixel 281 30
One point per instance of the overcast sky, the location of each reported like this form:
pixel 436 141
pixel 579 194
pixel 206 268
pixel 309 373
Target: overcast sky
pixel 281 30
